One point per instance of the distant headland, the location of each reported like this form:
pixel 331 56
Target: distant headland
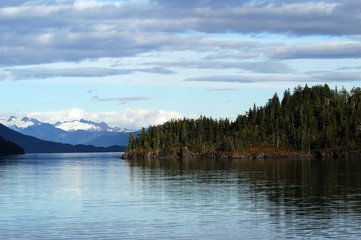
pixel 12 142
pixel 9 148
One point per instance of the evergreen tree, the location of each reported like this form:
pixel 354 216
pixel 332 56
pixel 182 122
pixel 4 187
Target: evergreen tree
pixel 310 118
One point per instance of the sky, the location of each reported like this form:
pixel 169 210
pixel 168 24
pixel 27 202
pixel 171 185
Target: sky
pixel 136 63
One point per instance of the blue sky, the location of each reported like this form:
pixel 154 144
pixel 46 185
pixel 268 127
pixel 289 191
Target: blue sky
pixel 136 63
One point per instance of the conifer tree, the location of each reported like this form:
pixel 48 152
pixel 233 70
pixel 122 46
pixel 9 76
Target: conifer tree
pixel 307 119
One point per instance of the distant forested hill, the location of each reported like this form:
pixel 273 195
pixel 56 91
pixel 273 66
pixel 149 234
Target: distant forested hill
pixel 35 145
pixel 9 148
pixel 308 119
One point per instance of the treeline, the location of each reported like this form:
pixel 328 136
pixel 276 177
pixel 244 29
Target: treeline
pixel 309 118
pixel 8 147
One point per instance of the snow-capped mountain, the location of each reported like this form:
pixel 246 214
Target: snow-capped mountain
pixel 72 132
pixel 17 123
pixel 68 126
pixel 85 125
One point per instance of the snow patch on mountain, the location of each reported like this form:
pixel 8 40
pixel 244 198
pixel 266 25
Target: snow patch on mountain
pixel 68 126
pixel 71 132
pixel 71 126
pixel 77 125
pixel 14 122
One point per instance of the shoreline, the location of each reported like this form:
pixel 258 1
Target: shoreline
pixel 211 156
pixel 260 152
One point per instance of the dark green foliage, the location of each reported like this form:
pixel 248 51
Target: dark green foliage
pixel 308 119
pixel 8 147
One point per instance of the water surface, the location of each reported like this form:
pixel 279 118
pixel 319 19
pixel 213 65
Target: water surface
pixel 98 196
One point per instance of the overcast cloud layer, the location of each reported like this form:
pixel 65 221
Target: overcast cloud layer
pixel 157 52
pixel 52 31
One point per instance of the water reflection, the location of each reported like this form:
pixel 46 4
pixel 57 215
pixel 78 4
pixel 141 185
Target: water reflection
pixel 316 198
pixel 98 196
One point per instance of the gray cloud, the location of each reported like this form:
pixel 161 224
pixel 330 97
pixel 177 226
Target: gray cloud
pixel 122 100
pixel 52 31
pixel 91 91
pixel 319 50
pixel 222 89
pixel 239 55
pixel 231 79
pixel 43 73
pixel 292 17
pixel 248 79
pixel 3 77
pixel 343 76
pixel 350 68
pixel 156 70
pixel 260 67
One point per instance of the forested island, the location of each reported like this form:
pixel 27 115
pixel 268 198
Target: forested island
pixel 311 121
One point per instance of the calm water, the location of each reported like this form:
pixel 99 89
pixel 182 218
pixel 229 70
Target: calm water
pixel 98 196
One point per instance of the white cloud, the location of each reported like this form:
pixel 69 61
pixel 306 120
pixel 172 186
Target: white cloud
pixel 129 118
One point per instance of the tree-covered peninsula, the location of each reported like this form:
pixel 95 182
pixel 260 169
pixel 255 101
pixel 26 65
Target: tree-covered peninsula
pixel 308 121
pixel 9 148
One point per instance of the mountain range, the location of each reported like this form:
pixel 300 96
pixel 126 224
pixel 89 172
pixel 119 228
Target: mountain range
pixel 71 132
pixel 34 145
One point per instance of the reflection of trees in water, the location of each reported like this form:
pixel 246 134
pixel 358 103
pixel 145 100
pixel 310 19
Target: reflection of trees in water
pixel 297 187
pixel 310 196
pixel 312 186
pixel 188 183
pixel 307 187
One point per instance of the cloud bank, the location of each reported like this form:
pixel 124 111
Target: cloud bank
pixel 74 30
pixel 129 118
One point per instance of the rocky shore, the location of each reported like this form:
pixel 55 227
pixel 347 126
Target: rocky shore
pixel 338 153
pixel 184 153
pixel 259 152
